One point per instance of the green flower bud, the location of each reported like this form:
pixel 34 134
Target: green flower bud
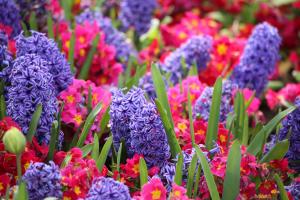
pixel 14 141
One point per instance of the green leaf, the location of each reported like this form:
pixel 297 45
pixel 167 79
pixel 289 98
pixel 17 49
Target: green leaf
pixel 50 26
pixel 2 107
pixel 66 161
pixel 275 85
pixel 179 167
pixel 192 132
pixel 256 144
pixel 143 172
pixel 88 124
pixel 33 22
pixel 172 140
pixel 231 186
pixel 22 193
pixel 119 159
pixel 84 72
pixel 245 137
pixel 67 6
pixel 104 122
pixel 25 29
pixel 191 176
pixel 87 149
pixel 103 155
pixel 193 71
pixel 34 122
pixel 90 99
pixel 71 51
pixel 282 191
pixel 213 121
pixel 208 175
pixel 95 150
pixel 197 181
pixel 161 93
pixel 277 152
pixel 53 139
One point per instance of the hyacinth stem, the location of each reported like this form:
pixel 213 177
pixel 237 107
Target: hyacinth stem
pixel 19 167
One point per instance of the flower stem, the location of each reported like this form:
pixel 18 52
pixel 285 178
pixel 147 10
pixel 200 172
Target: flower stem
pixel 19 167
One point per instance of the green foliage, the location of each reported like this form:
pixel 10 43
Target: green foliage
pixel 34 122
pixel 277 152
pixel 104 153
pixel 179 167
pixel 143 172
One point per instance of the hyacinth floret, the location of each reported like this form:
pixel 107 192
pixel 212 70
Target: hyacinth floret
pixel 30 84
pixel 113 37
pixel 148 136
pixel 43 181
pixel 137 14
pixel 109 189
pixel 123 106
pixel 5 56
pixel 48 50
pixel 292 123
pixel 203 103
pixel 10 17
pixel 195 51
pixel 259 58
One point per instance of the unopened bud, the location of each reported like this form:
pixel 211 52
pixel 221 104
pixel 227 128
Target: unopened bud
pixel 14 141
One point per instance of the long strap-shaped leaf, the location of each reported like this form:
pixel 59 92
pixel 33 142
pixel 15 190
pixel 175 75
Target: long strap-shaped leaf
pixel 172 140
pixel 53 140
pixel 191 176
pixel 87 63
pixel 231 186
pixel 191 118
pixel 95 149
pixel 160 90
pixel 2 107
pixel 22 193
pixel 277 152
pixel 213 121
pixel 208 175
pixel 143 172
pixel 88 124
pixel 71 51
pixel 34 122
pixel 259 139
pixel 178 173
pixel 282 192
pixel 50 26
pixel 103 155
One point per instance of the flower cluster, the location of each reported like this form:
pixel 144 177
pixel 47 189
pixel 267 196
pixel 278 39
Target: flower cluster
pixel 174 34
pixel 137 14
pixel 177 96
pixel 43 181
pixel 76 103
pixel 145 127
pixel 10 19
pixel 78 174
pixel 113 37
pixel 104 69
pixel 203 103
pixel 47 50
pixel 196 51
pixel 31 84
pixel 258 59
pixel 122 107
pixel 107 188
pixel 5 56
pixel 292 123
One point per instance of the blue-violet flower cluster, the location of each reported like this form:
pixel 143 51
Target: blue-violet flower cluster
pixel 196 51
pixel 109 189
pixel 43 181
pixel 258 59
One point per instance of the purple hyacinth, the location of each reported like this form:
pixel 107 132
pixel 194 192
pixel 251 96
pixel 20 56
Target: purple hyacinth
pixel 167 174
pixel 122 107
pixel 113 37
pixel 258 59
pixel 292 122
pixel 5 56
pixel 30 83
pixel 195 51
pixel 43 181
pixel 148 136
pixel 294 189
pixel 48 50
pixel 10 16
pixel 203 103
pixel 109 189
pixel 137 14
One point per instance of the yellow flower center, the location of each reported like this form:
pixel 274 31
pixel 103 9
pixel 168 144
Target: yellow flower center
pixel 78 119
pixel 182 35
pixel 177 193
pixel 222 49
pixel 81 40
pixel 182 126
pixel 82 52
pixel 77 190
pixel 136 168
pixel 156 194
pixel 70 98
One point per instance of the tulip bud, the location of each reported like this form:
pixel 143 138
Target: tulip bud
pixel 14 141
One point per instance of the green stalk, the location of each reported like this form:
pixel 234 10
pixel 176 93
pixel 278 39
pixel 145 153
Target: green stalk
pixel 19 167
